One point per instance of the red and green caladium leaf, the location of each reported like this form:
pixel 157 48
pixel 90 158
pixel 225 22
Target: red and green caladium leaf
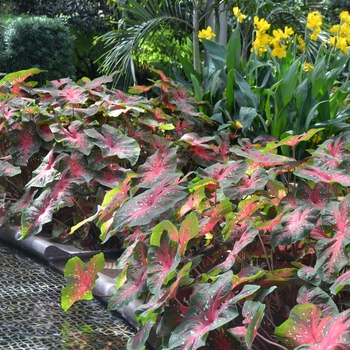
pixel 156 168
pixel 46 171
pixel 318 196
pixel 331 252
pixel 294 226
pixel 162 261
pixel 113 142
pixel 136 279
pixel 139 340
pixel 315 295
pixel 73 137
pixel 71 94
pixel 80 279
pixel 211 307
pixel 307 326
pixel 25 142
pixel 226 174
pixel 188 230
pixel 247 185
pixel 341 283
pixel 8 169
pixel 253 312
pixel 149 205
pixel 38 213
pixel 304 326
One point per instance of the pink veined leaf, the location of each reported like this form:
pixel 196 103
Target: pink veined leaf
pixel 43 130
pixel 309 275
pixel 161 74
pixel 183 101
pixel 156 168
pixel 226 174
pixel 204 155
pixel 38 213
pixel 188 230
pixel 111 176
pixel 73 137
pixel 62 188
pixel 259 158
pixel 211 307
pixel 46 171
pixel 98 82
pixel 77 167
pixel 24 143
pixel 294 226
pixel 23 202
pixel 328 176
pixel 253 312
pixel 136 279
pixel 194 139
pixel 341 283
pixel 318 196
pixel 80 279
pixel 331 252
pixel 247 185
pixel 113 142
pixel 139 89
pixel 162 261
pixel 246 235
pixel 304 326
pixel 139 340
pixel 215 216
pixel 58 83
pixel 144 208
pixel 72 94
pixel 292 140
pixel 336 334
pixel 197 200
pixel 318 297
pixel 8 169
pixel 80 112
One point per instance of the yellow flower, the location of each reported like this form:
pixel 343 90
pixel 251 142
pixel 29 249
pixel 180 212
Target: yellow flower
pixel 238 14
pixel 238 125
pixel 279 51
pixel 340 43
pixel 206 34
pixel 301 42
pixel 262 24
pixel 314 22
pixel 345 16
pixel 308 67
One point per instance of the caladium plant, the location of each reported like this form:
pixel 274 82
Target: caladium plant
pixel 220 232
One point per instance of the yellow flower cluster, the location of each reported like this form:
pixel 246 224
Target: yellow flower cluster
pixel 314 22
pixel 206 34
pixel 278 40
pixel 238 14
pixel 341 39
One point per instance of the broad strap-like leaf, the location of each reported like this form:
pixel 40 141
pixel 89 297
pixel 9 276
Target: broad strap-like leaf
pixel 25 142
pixel 73 137
pixel 80 279
pixel 36 214
pixel 304 326
pixel 294 226
pixel 162 261
pixel 226 174
pixel 156 168
pixel 147 206
pixel 113 142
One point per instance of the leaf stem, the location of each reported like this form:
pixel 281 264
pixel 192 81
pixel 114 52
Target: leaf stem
pixel 270 342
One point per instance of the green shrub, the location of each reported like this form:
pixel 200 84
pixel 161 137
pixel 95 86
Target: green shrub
pixel 38 42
